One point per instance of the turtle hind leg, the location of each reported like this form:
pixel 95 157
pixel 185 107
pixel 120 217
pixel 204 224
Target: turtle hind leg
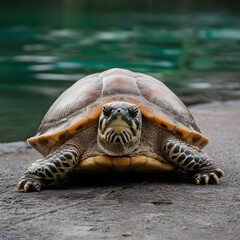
pixel 192 160
pixel 49 169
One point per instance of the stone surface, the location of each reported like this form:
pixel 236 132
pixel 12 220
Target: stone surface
pixel 129 206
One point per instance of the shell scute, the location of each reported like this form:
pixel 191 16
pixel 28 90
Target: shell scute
pixel 61 135
pixel 89 165
pixel 119 84
pixel 163 123
pixel 43 143
pixel 147 110
pixel 197 139
pixel 81 124
pixel 94 110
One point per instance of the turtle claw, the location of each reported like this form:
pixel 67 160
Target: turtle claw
pixel 208 177
pixel 220 173
pixel 26 187
pixel 197 181
pixel 29 184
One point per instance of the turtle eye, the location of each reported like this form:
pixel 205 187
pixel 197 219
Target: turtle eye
pixel 133 111
pixel 107 111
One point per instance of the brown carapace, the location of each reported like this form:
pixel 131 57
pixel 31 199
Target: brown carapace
pixel 80 106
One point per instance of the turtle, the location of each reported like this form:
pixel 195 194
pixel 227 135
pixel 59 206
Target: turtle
pixel 118 121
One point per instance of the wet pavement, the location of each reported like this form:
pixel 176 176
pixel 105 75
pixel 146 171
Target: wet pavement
pixel 130 206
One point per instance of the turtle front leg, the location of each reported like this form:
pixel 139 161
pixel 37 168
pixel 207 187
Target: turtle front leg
pixel 49 169
pixel 192 159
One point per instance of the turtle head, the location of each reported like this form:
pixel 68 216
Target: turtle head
pixel 119 128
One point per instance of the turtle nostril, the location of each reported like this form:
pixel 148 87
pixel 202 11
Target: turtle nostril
pixel 118 110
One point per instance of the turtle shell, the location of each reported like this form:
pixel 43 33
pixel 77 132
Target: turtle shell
pixel 81 105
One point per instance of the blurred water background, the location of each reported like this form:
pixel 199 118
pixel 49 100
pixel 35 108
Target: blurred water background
pixel 45 46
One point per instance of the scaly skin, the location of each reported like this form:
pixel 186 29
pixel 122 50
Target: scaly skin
pixel 49 169
pixel 192 159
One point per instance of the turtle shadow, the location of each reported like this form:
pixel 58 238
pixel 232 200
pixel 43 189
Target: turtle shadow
pixel 100 180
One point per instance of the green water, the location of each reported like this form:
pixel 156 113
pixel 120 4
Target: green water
pixel 45 47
